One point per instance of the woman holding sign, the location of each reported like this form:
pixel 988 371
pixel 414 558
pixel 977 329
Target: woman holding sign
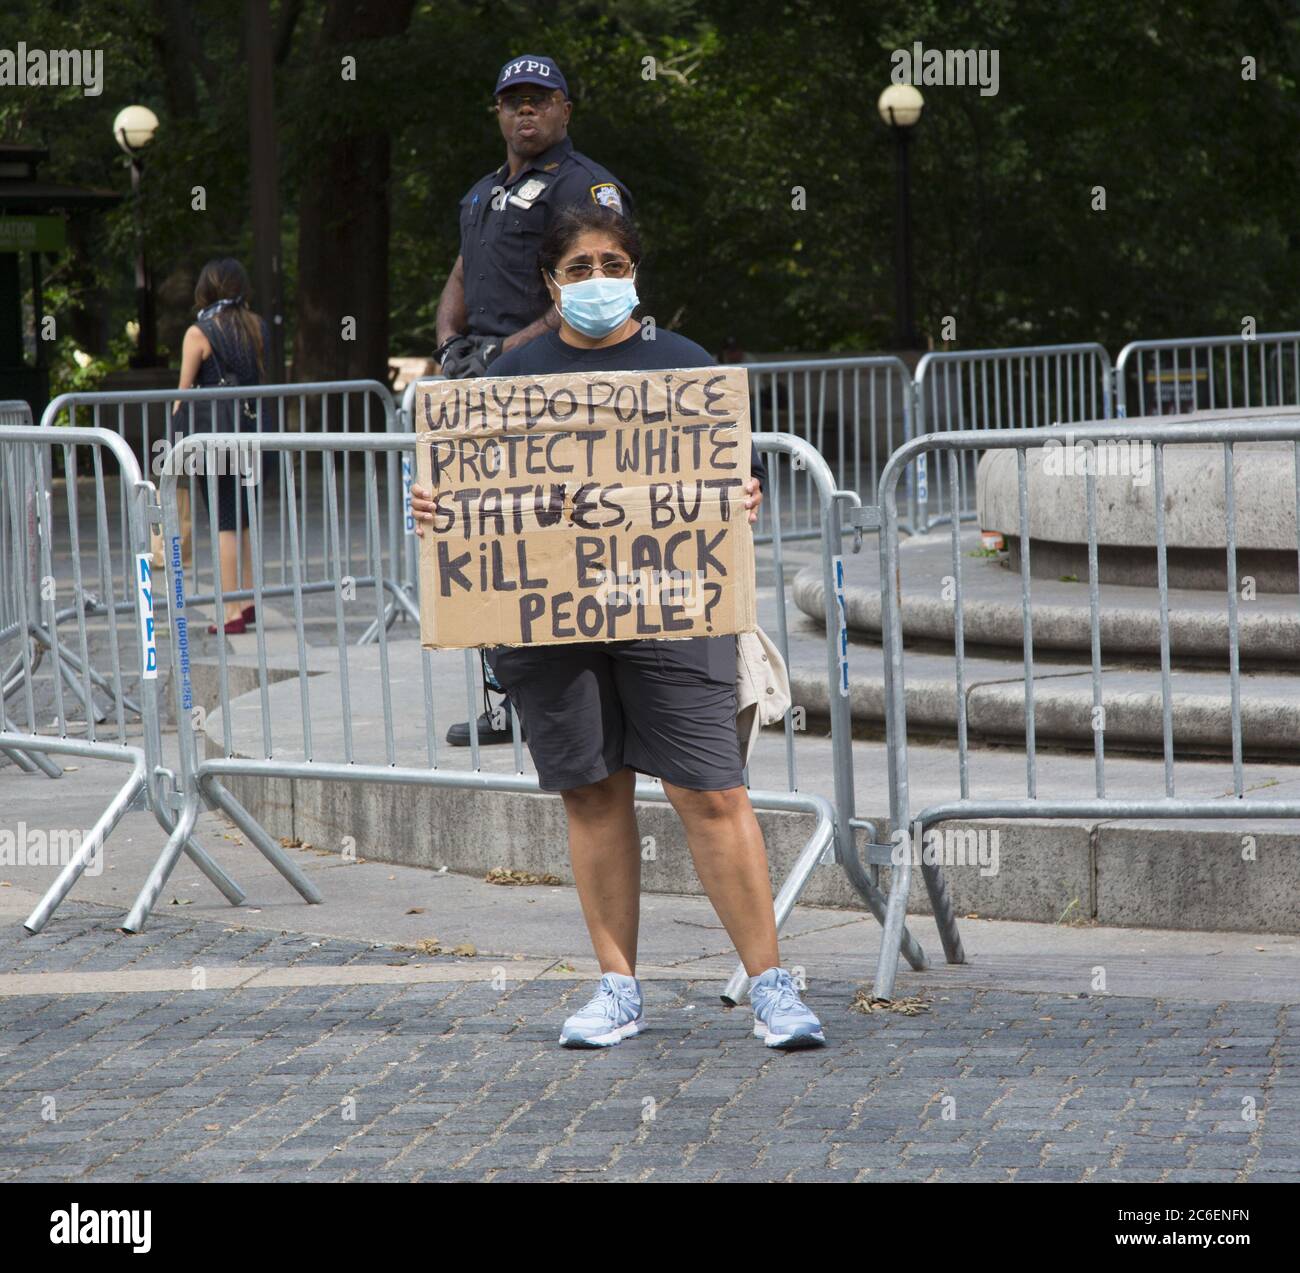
pixel 597 714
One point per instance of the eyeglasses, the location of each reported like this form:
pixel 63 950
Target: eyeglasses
pixel 610 267
pixel 515 102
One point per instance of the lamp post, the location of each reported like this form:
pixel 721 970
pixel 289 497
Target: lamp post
pixel 134 128
pixel 900 107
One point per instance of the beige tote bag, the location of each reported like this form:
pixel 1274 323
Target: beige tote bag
pixel 762 687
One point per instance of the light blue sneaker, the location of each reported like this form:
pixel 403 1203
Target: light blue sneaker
pixel 781 1018
pixel 611 1015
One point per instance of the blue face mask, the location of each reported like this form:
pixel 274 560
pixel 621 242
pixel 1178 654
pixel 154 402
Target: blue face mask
pixel 598 306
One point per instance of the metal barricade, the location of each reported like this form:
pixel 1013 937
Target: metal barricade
pixel 19 572
pixel 855 412
pixel 377 736
pixel 1209 373
pixel 406 423
pixel 44 636
pixel 143 418
pixel 44 526
pixel 999 389
pixel 908 824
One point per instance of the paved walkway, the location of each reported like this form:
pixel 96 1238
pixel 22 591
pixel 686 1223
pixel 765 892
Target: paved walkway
pixel 311 1043
pixel 304 1043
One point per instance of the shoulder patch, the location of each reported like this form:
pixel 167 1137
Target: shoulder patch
pixel 606 194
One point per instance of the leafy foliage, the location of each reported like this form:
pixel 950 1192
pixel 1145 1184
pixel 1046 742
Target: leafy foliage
pixel 748 100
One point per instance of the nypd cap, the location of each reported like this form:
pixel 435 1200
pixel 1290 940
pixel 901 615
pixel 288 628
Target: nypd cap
pixel 531 69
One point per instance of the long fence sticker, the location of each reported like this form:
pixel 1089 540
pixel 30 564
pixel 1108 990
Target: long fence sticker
pixel 182 624
pixel 837 568
pixel 148 637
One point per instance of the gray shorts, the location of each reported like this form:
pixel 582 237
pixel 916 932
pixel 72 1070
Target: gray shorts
pixel 665 708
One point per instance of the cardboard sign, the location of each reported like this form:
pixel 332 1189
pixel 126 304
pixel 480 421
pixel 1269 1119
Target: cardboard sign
pixel 585 507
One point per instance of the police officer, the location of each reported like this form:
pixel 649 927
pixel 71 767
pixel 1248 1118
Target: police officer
pixel 494 298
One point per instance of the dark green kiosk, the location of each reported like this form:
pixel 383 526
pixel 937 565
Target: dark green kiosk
pixel 32 225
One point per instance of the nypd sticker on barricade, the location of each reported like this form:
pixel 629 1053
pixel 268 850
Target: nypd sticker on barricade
pixel 408 515
pixel 841 609
pixel 144 597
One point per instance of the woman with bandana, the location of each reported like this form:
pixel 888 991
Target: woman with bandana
pixel 226 344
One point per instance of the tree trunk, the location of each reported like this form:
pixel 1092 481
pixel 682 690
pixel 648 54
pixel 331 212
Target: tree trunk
pixel 343 221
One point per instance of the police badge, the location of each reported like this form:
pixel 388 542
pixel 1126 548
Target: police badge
pixel 606 194
pixel 527 194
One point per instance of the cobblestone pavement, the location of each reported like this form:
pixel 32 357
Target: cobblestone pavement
pixel 321 1076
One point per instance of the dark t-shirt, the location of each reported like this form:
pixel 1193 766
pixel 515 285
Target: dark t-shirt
pixel 549 355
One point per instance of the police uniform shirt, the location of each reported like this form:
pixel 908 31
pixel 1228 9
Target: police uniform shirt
pixel 500 236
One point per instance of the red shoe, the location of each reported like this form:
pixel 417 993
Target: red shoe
pixel 249 614
pixel 233 627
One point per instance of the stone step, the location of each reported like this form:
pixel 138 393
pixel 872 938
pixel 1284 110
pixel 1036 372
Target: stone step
pixel 1132 700
pixel 1130 620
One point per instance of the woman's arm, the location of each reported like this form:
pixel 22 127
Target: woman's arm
pixel 757 482
pixel 194 349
